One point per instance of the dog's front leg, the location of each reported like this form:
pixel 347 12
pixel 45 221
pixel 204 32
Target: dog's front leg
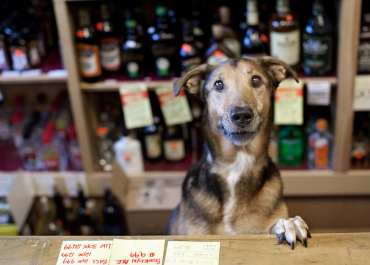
pixel 290 230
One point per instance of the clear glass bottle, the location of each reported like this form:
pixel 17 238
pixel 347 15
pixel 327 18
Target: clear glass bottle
pixel 290 146
pixel 105 149
pixel 229 36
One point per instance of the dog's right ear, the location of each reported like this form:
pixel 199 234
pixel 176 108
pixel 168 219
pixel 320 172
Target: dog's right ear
pixel 277 69
pixel 193 80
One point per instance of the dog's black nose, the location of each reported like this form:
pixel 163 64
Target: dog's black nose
pixel 241 115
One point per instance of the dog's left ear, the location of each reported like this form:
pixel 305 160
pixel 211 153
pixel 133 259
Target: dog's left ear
pixel 277 69
pixel 193 81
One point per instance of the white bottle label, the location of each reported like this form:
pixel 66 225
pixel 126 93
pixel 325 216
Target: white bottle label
pixel 233 45
pixel 286 46
pixel 153 145
pixel 110 54
pixel 89 60
pixel 174 150
pixel 34 54
pixel 19 57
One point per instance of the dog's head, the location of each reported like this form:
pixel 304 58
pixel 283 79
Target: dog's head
pixel 237 93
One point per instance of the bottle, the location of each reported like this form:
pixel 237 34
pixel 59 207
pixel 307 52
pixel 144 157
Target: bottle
pixel 196 130
pixel 273 147
pixel 218 51
pixel 33 52
pixel 17 128
pixel 47 225
pixel 363 61
pixel 84 222
pixel 153 140
pixel 61 218
pixel 19 52
pixel 133 49
pixel 5 63
pixel 109 44
pixel 317 42
pixel 163 44
pixel 285 34
pixel 88 49
pixel 360 146
pixel 5 129
pixel 113 223
pixel 198 30
pixel 320 145
pixel 28 150
pixel 229 36
pixel 189 53
pixel 74 149
pixel 254 43
pixel 173 144
pixel 290 146
pixel 105 149
pixel 128 154
pixel 51 155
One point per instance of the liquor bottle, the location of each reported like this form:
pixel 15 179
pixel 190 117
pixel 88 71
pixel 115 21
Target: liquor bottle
pixel 51 155
pixel 5 63
pixel 84 221
pixel 133 49
pixel 189 53
pixel 285 34
pixel 28 151
pixel 317 42
pixel 88 49
pixel 47 225
pixel 174 144
pixel 363 62
pixel 198 30
pixel 153 140
pixel 17 128
pixel 33 52
pixel 254 42
pixel 229 36
pixel 113 223
pixel 163 44
pixel 5 129
pixel 109 44
pixel 218 51
pixel 74 149
pixel 320 145
pixel 290 146
pixel 19 52
pixel 61 218
pixel 360 146
pixel 105 149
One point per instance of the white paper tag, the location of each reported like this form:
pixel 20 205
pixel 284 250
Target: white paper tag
pixel 33 72
pixel 136 105
pixel 176 110
pixel 6 183
pixel 318 93
pixel 58 73
pixel 361 99
pixel 85 252
pixel 72 181
pixel 288 108
pixel 10 73
pixel 44 183
pixel 185 252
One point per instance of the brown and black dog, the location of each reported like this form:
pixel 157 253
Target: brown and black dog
pixel 236 188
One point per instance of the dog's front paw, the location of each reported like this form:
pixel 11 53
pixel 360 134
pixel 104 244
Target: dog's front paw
pixel 292 229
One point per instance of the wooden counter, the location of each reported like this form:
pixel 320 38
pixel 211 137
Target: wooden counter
pixel 261 249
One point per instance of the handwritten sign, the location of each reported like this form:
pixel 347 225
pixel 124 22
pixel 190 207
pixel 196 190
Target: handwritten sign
pixel 318 93
pixel 85 252
pixel 136 105
pixel 137 251
pixel 175 110
pixel 361 99
pixel 184 252
pixel 288 108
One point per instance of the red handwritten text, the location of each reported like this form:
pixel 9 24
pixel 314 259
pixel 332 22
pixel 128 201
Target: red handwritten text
pixel 100 261
pixel 122 261
pixel 92 246
pixel 67 255
pixel 157 261
pixel 82 261
pixel 85 254
pixel 72 246
pixel 68 261
pixel 105 246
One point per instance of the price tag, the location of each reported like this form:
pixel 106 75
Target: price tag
pixel 175 110
pixel 33 72
pixel 289 103
pixel 361 99
pixel 136 105
pixel 85 252
pixel 44 184
pixel 318 93
pixel 137 251
pixel 184 252
pixel 58 73
pixel 10 73
pixel 6 183
pixel 72 181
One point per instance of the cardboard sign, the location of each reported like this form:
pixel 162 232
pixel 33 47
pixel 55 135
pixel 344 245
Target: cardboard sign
pixel 184 252
pixel 136 105
pixel 85 252
pixel 361 98
pixel 175 110
pixel 318 93
pixel 137 251
pixel 289 103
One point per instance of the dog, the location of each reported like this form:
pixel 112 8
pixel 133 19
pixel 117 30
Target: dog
pixel 235 188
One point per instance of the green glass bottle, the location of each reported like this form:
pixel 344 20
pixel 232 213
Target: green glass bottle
pixel 290 146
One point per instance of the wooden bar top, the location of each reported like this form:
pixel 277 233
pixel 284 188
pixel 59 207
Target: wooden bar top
pixel 351 248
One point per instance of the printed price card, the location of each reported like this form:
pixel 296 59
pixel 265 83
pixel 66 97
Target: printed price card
pixel 184 252
pixel 318 93
pixel 137 251
pixel 289 103
pixel 361 99
pixel 136 105
pixel 85 252
pixel 175 110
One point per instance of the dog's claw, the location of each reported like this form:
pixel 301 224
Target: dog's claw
pixel 305 242
pixel 309 234
pixel 281 238
pixel 292 245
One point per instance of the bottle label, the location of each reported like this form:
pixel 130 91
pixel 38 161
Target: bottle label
pixel 133 61
pixel 89 60
pixel 4 60
pixel 286 46
pixel 233 45
pixel 217 57
pixel 153 145
pixel 110 54
pixel 317 53
pixel 321 153
pixel 51 163
pixel 163 66
pixel 29 157
pixel 363 62
pixel 35 58
pixel 163 54
pixel 19 57
pixel 174 150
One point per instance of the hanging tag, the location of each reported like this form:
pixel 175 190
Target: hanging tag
pixel 136 105
pixel 318 93
pixel 361 98
pixel 289 103
pixel 175 110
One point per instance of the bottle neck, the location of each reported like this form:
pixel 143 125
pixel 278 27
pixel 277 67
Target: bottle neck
pixel 282 6
pixel 84 18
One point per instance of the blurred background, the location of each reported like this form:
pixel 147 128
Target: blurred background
pixel 93 142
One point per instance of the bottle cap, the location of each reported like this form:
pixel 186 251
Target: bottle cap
pixel 321 124
pixel 102 130
pixel 217 31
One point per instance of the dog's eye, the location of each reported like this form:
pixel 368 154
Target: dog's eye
pixel 219 85
pixel 256 81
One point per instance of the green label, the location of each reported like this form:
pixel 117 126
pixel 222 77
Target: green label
pixel 317 54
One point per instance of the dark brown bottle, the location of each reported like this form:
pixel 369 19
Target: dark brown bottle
pixel 229 36
pixel 285 34
pixel 218 51
pixel 363 62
